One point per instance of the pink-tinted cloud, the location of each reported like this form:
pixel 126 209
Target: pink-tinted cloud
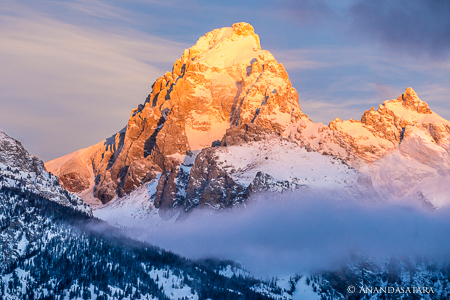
pixel 64 87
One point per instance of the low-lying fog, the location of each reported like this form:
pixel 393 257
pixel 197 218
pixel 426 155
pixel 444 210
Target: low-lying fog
pixel 288 234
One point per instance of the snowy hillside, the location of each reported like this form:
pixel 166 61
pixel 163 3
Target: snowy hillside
pixel 51 250
pixel 18 169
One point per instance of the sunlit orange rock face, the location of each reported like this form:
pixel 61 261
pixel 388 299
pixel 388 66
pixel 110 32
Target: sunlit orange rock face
pixel 224 80
pixel 225 91
pixel 392 125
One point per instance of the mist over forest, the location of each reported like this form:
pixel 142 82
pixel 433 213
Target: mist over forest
pixel 297 233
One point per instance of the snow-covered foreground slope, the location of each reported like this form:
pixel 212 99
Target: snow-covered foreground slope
pixel 50 250
pixel 135 210
pixel 405 179
pixel 291 167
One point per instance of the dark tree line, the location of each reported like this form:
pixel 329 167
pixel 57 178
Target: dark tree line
pixel 71 254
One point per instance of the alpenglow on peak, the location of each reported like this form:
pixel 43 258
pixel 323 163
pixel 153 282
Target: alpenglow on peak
pixel 224 80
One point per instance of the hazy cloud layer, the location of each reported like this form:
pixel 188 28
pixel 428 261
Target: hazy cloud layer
pixel 292 234
pixel 409 26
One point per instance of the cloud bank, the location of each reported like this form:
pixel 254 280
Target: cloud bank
pixel 411 26
pixel 295 233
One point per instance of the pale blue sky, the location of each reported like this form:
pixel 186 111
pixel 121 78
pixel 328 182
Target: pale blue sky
pixel 71 71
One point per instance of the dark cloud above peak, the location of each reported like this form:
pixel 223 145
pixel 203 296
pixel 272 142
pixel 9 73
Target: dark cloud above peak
pixel 412 26
pixel 308 12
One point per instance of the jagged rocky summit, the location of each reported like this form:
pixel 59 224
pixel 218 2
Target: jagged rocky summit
pixel 403 147
pixel 224 80
pixel 226 124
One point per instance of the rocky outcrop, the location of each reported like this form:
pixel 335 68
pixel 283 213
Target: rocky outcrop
pixel 325 140
pixel 22 171
pixel 245 134
pixel 211 186
pixel 13 154
pixel 224 80
pixel 170 196
pixel 264 183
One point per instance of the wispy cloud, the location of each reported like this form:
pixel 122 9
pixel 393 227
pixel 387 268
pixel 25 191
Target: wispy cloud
pixel 95 8
pixel 344 81
pixel 62 80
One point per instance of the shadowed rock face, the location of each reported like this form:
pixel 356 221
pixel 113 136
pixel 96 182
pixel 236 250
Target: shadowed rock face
pixel 74 182
pixel 224 80
pixel 21 171
pixel 13 154
pixel 208 183
pixel 211 186
pixel 244 134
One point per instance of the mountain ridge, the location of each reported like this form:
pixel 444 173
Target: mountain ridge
pixel 226 91
pixel 19 169
pixel 188 109
pixel 52 247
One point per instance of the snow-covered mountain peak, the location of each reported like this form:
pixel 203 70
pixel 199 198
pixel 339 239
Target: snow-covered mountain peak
pixel 391 126
pixel 407 109
pixel 224 47
pixel 224 80
pixel 410 100
pixel 403 145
